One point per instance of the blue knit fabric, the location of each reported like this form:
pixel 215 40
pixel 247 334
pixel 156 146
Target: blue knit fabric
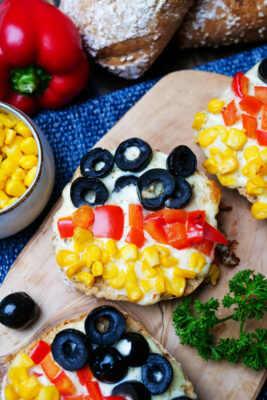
pixel 75 129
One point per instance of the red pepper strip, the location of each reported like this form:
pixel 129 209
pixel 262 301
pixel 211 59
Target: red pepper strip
pixel 155 215
pixel 206 247
pixel 136 236
pixel 211 233
pixel 262 137
pixel 109 222
pixel 42 70
pixel 65 227
pixel 155 228
pixel 64 384
pixel 240 84
pixel 50 368
pixel 195 226
pixel 230 114
pixel 84 375
pixel 94 390
pixel 83 217
pixel 35 374
pixel 174 215
pixel 114 398
pixel 39 352
pixel 176 235
pixel 250 125
pixel 261 93
pixel 250 105
pixel 136 216
pixel 264 118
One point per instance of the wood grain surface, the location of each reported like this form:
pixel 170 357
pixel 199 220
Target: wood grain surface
pixel 163 117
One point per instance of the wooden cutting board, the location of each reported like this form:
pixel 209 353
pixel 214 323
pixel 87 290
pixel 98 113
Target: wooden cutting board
pixel 163 117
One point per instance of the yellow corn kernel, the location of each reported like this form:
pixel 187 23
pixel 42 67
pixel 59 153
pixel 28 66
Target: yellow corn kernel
pixel 151 255
pixel 8 166
pixel 131 275
pixel 3 199
pixel 228 165
pixel 129 252
pixel 27 162
pixel 2 137
pixel 228 180
pixel 134 293
pixel 11 201
pixel 176 286
pixel 259 210
pixel 214 151
pixel 236 138
pixel 48 393
pixel 3 175
pixel 10 393
pixel 147 285
pixel 119 281
pixel 15 188
pixel 251 152
pixel 160 284
pixel 168 262
pixel 207 137
pixel 14 154
pixel 74 268
pixel 86 278
pixel 2 185
pixel 163 251
pixel 29 146
pixel 10 135
pixel 259 181
pixel 211 165
pixel 97 268
pixel 253 167
pixel 18 374
pixel 25 361
pixel 213 274
pixel 18 139
pixel 200 118
pixel 66 258
pixel 111 271
pixel 82 238
pixel 7 120
pixel 197 261
pixel 148 271
pixel 215 106
pixel 184 273
pixel 30 176
pixel 92 253
pixel 112 247
pixel 22 129
pixel 253 190
pixel 264 155
pixel 18 174
pixel 29 388
pixel 105 258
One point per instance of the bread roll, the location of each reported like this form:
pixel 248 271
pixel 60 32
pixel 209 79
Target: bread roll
pixel 223 22
pixel 126 36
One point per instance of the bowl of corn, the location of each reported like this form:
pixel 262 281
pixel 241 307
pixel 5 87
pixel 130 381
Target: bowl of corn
pixel 27 171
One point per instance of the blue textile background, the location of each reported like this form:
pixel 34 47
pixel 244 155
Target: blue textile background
pixel 74 130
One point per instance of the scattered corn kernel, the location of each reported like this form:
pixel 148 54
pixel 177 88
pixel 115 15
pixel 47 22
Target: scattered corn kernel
pixel 119 281
pixel 29 146
pixel 253 190
pixel 111 271
pixel 163 251
pixel 251 152
pixel 207 136
pixel 253 167
pixel 215 106
pixel 112 247
pixel 151 255
pixel 160 284
pixel 8 166
pixel 15 188
pixel 29 388
pixel 30 176
pixel 97 268
pixel 10 135
pixel 3 176
pixel 168 262
pixel 18 374
pixel 82 238
pixel 264 155
pixel 211 165
pixel 197 261
pixel 66 258
pixel 199 120
pixel 105 258
pixel 134 293
pixel 27 162
pixel 18 174
pixel 131 275
pixel 148 271
pixel 48 393
pixel 176 286
pixel 22 129
pixel 77 266
pixel 184 273
pixel 129 252
pixel 236 138
pixel 259 210
pixel 85 277
pixel 147 285
pixel 228 180
pixel 92 253
pixel 14 154
pixel 7 120
pixel 25 361
pixel 214 274
pixel 10 393
pixel 228 165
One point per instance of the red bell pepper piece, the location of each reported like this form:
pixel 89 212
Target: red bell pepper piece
pixel 158 215
pixel 174 215
pixel 230 114
pixel 109 222
pixel 155 228
pixel 94 390
pixel 65 227
pixel 264 118
pixel 262 137
pixel 83 217
pixel 42 65
pixel 64 384
pixel 114 398
pixel 206 247
pixel 136 236
pixel 176 235
pixel 240 84
pixel 195 226
pixel 39 352
pixel 84 375
pixel 136 216
pixel 261 93
pixel 50 368
pixel 250 125
pixel 250 105
pixel 211 233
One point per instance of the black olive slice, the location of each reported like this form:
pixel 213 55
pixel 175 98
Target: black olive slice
pixel 124 181
pixel 182 161
pixel 134 348
pixel 141 160
pixel 18 310
pixel 262 70
pixel 70 349
pixel 157 373
pixel 133 390
pixel 104 325
pixel 83 188
pixel 91 160
pixel 154 187
pixel 108 365
pixel 182 194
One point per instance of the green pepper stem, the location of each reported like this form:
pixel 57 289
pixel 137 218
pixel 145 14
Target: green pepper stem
pixel 29 81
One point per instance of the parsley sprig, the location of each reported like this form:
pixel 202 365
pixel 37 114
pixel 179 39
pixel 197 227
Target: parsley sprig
pixel 247 297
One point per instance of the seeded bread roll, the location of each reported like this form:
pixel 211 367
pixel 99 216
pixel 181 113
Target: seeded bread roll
pixel 126 36
pixel 223 22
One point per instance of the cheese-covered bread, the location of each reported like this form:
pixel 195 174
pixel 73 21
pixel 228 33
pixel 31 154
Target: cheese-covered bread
pixel 137 224
pixel 233 135
pixel 69 361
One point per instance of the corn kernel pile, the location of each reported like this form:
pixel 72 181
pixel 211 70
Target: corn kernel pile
pixel 18 159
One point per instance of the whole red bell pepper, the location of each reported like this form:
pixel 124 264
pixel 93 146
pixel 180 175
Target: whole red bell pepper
pixel 42 63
